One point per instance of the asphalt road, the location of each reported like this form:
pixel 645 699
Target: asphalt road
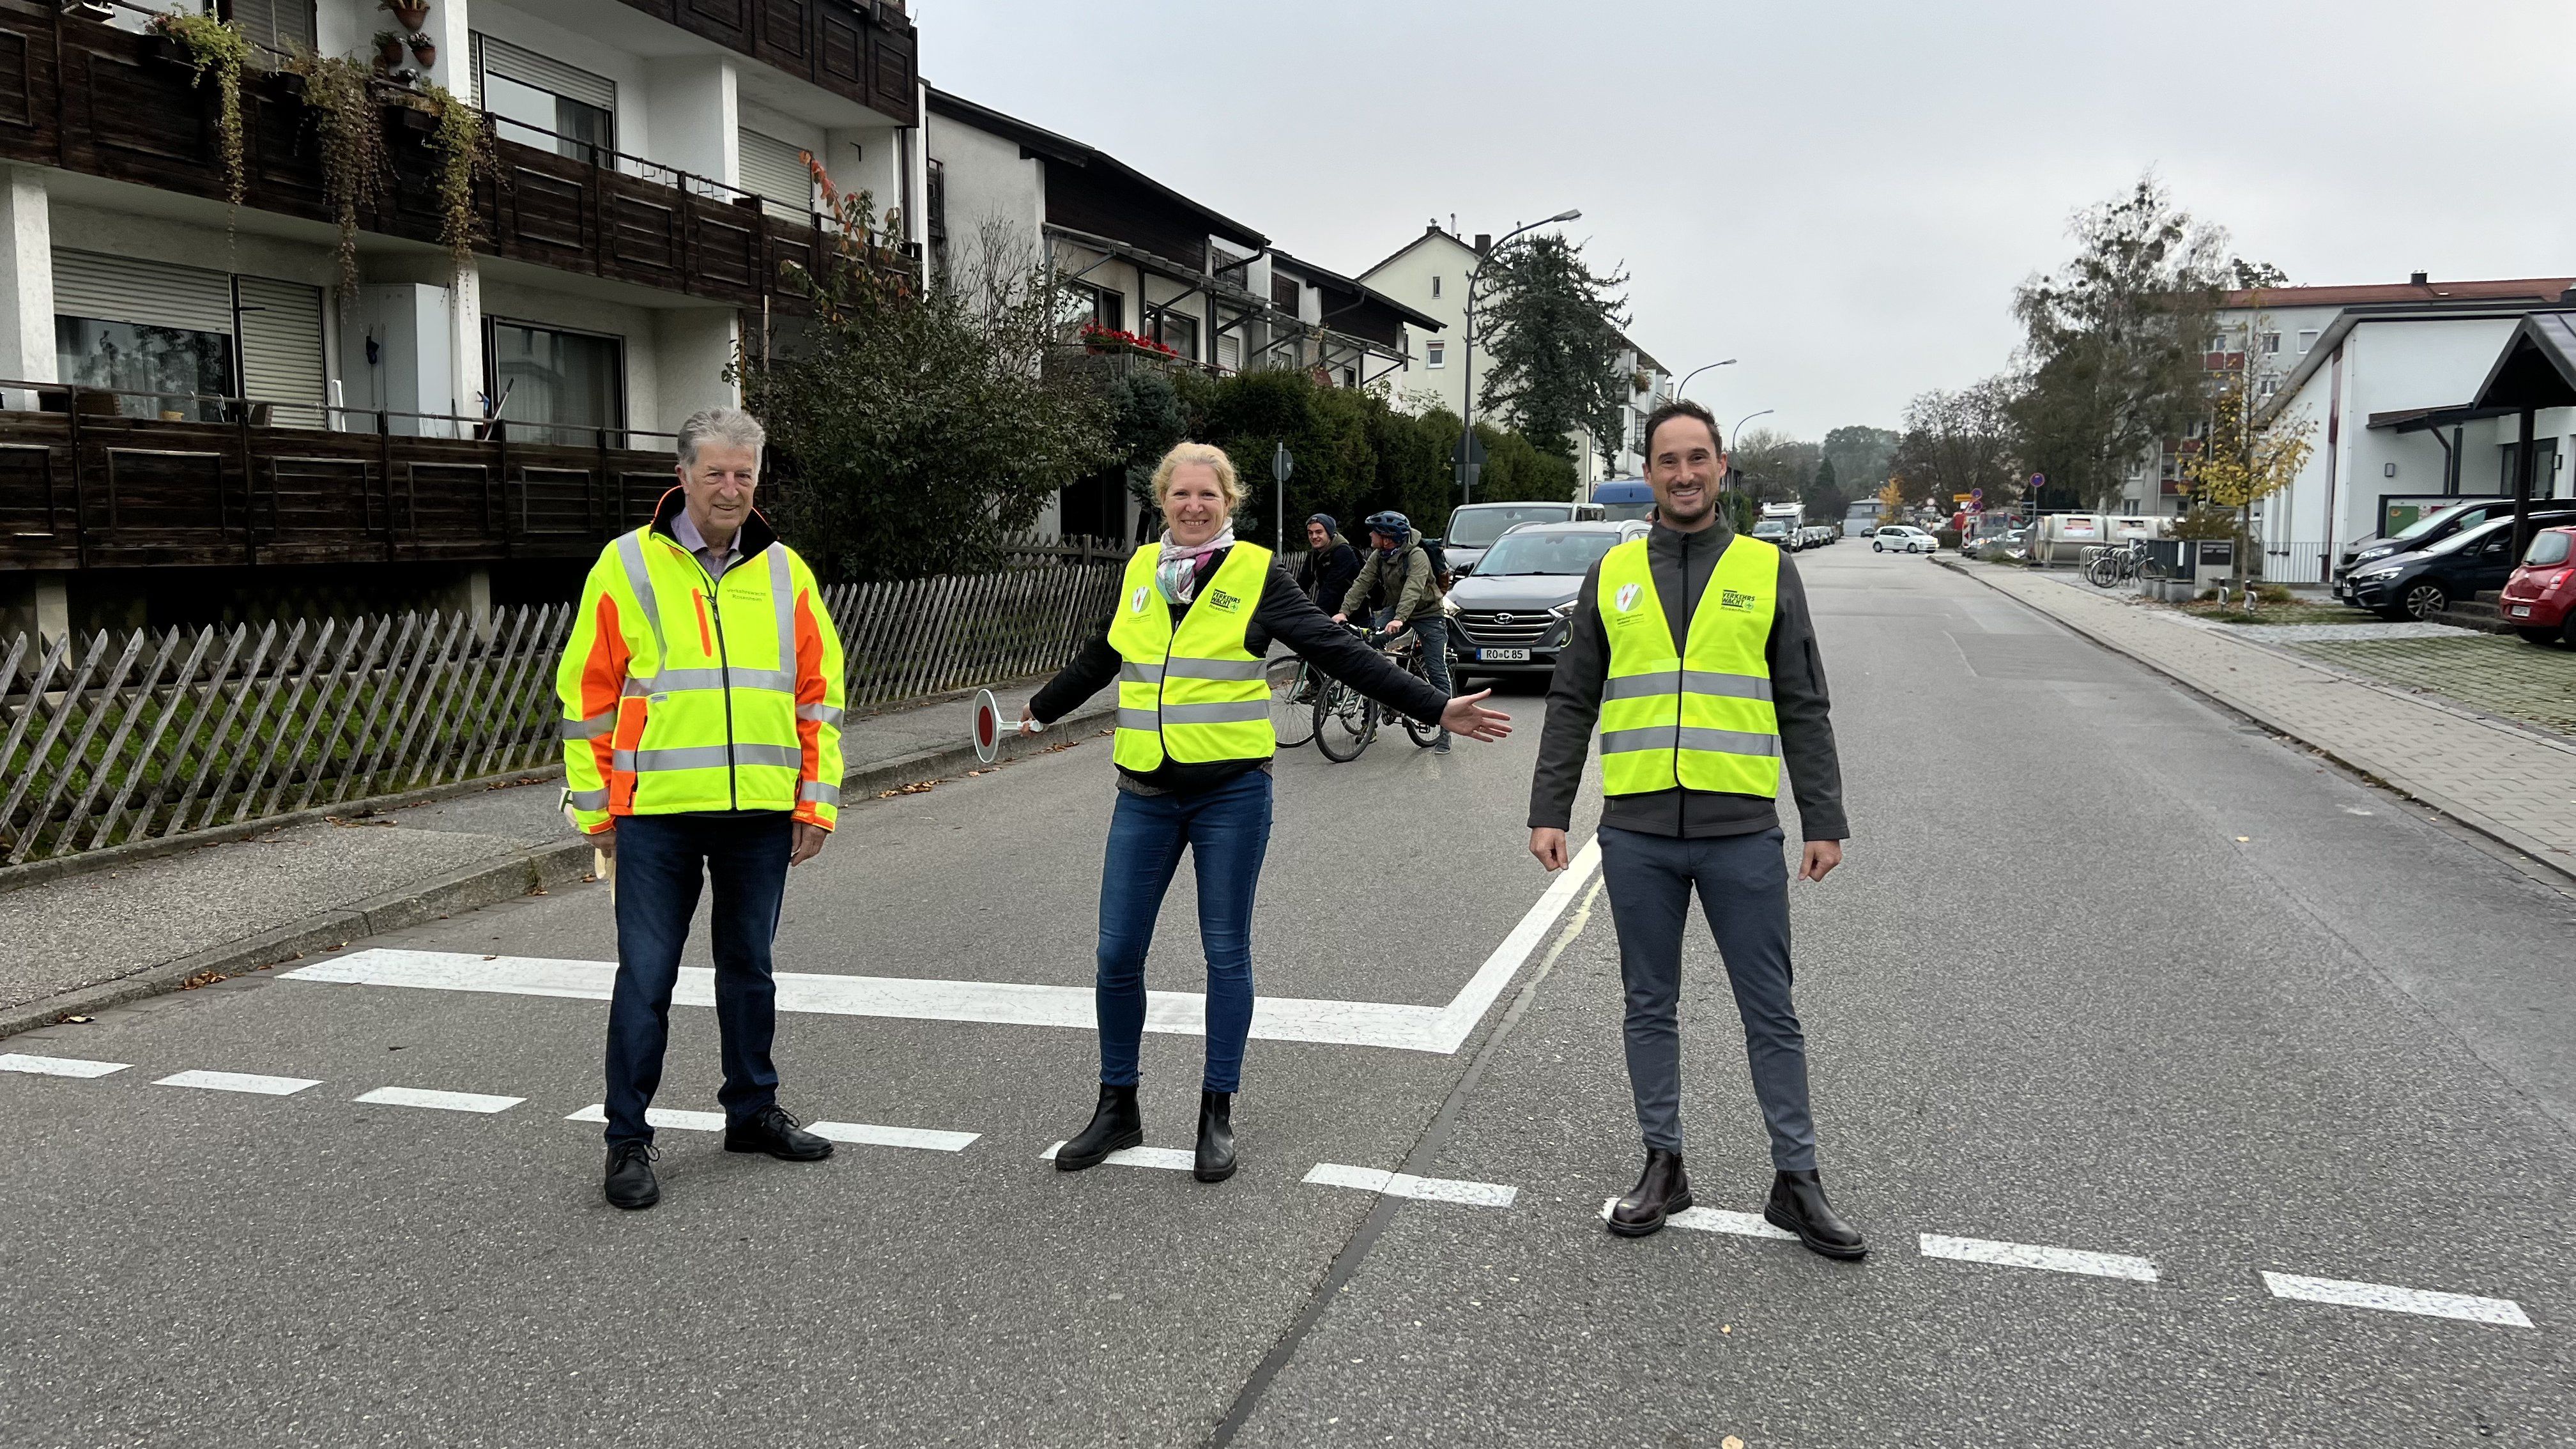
pixel 2141 981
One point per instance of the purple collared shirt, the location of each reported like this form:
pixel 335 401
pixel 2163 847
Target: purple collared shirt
pixel 717 560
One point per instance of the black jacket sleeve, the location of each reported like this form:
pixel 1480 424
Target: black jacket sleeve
pixel 1805 712
pixel 1288 616
pixel 1095 666
pixel 1573 707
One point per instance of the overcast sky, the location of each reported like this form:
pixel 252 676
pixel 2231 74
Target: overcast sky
pixel 1840 195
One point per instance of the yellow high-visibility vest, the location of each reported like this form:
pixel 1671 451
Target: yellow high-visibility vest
pixel 684 693
pixel 1705 720
pixel 1193 694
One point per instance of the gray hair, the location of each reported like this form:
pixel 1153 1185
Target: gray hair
pixel 723 425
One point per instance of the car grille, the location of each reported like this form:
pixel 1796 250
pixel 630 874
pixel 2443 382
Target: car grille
pixel 1506 629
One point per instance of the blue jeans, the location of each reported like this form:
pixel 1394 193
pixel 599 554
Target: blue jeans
pixel 1435 646
pixel 1228 831
pixel 659 862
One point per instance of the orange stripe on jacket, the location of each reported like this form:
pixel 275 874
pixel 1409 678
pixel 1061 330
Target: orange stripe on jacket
pixel 603 685
pixel 811 688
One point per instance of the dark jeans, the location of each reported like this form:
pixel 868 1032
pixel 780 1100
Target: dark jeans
pixel 1743 885
pixel 1434 629
pixel 1227 830
pixel 660 860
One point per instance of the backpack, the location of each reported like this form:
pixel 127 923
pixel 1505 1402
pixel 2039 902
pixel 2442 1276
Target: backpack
pixel 1441 577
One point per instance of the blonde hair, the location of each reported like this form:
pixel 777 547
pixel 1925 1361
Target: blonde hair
pixel 1217 462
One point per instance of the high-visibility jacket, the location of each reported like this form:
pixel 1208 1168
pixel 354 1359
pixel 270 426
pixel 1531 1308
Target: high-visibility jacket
pixel 1192 693
pixel 682 692
pixel 1703 721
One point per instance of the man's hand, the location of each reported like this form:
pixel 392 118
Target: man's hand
pixel 1395 628
pixel 809 843
pixel 1341 618
pixel 605 842
pixel 1822 857
pixel 1549 846
pixel 1465 716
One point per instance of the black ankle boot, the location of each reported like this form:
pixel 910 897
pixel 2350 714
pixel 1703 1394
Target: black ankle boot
pixel 1662 1190
pixel 1216 1137
pixel 1114 1125
pixel 1798 1205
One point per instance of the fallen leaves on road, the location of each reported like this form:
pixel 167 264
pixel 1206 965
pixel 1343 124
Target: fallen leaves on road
pixel 80 1020
pixel 202 978
pixel 348 824
pixel 917 787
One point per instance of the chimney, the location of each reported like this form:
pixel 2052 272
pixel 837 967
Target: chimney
pixel 2417 279
pixel 1484 242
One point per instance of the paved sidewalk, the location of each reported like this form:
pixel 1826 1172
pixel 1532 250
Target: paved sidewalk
pixel 89 940
pixel 2513 784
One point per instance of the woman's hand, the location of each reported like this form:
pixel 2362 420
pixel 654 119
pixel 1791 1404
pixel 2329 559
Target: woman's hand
pixel 1465 716
pixel 1028 721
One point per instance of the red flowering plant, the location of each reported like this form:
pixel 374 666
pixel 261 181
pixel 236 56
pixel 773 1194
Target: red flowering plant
pixel 1097 338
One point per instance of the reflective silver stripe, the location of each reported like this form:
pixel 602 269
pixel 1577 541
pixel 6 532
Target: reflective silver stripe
pixel 782 604
pixel 707 757
pixel 588 729
pixel 1666 737
pixel 1139 673
pixel 1732 686
pixel 1641 686
pixel 816 790
pixel 588 799
pixel 673 681
pixel 829 714
pixel 1138 719
pixel 1250 709
pixel 1213 669
pixel 630 551
pixel 638 684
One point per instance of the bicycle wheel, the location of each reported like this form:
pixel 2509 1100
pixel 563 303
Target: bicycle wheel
pixel 2152 570
pixel 1292 714
pixel 1423 735
pixel 2101 573
pixel 1345 722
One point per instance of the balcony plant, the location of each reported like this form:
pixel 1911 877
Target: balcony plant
pixel 411 15
pixel 464 143
pixel 355 166
pixel 423 49
pixel 1096 338
pixel 389 50
pixel 208 44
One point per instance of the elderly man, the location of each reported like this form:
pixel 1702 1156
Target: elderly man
pixel 701 696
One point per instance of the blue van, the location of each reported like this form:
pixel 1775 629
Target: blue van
pixel 1625 498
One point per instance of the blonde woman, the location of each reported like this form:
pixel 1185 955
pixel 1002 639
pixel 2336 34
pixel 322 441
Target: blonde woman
pixel 1195 619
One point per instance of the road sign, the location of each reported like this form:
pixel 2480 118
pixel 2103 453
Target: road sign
pixel 2038 480
pixel 1470 452
pixel 988 728
pixel 1976 495
pixel 1281 464
pixel 1961 497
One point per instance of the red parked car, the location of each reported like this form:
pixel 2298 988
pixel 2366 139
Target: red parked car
pixel 2539 596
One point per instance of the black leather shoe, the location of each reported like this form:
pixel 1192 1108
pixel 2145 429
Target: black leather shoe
pixel 773 1131
pixel 1798 1205
pixel 1216 1137
pixel 630 1182
pixel 1114 1125
pixel 1663 1189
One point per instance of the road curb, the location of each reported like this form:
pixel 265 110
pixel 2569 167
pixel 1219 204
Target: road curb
pixel 525 872
pixel 2394 777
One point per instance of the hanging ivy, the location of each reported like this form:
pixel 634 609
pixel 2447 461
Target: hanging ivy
pixel 356 171
pixel 464 143
pixel 211 44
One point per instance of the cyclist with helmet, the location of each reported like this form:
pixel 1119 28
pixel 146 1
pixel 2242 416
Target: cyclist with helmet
pixel 1399 572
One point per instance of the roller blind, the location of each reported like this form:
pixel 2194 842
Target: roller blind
pixel 281 25
pixel 150 294
pixel 281 347
pixel 544 72
pixel 776 170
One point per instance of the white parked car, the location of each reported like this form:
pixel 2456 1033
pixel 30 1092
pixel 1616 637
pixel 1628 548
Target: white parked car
pixel 1903 538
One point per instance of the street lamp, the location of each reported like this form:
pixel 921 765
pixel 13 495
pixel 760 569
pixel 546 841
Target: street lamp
pixel 1739 428
pixel 1467 403
pixel 1696 371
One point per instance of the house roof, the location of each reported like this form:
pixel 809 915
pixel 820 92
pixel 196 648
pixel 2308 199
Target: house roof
pixel 1064 150
pixel 2537 368
pixel 1429 234
pixel 2516 289
pixel 1335 281
pixel 2351 317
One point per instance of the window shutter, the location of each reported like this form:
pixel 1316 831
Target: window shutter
pixel 285 26
pixel 544 72
pixel 776 170
pixel 281 348
pixel 150 294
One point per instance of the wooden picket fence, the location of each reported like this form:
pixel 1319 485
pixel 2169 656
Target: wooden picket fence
pixel 123 737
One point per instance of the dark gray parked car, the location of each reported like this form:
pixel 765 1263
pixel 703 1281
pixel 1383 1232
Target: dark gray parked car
pixel 1512 610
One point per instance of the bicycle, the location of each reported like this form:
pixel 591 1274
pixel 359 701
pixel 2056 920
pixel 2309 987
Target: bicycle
pixel 1407 652
pixel 2107 567
pixel 1345 720
pixel 1292 684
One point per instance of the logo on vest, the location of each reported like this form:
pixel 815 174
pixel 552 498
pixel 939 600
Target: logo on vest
pixel 1628 597
pixel 1144 595
pixel 1222 601
pixel 1739 600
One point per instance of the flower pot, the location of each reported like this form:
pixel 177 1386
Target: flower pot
pixel 410 17
pixel 424 50
pixel 389 54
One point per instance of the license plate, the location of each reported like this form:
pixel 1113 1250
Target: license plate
pixel 2522 611
pixel 1502 656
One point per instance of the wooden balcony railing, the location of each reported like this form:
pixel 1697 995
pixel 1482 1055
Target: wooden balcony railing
pixel 88 97
pixel 83 487
pixel 868 52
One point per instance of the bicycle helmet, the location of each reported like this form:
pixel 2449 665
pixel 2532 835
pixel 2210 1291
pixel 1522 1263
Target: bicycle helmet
pixel 1391 523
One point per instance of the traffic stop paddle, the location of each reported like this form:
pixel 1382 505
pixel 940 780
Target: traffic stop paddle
pixel 989 728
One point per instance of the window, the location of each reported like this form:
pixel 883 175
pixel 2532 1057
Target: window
pixel 545 103
pixel 2269 386
pixel 285 26
pixel 2307 339
pixel 1175 331
pixel 562 386
pixel 775 171
pixel 2271 342
pixel 141 357
pixel 1079 303
pixel 1435 354
pixel 1435 284
pixel 1350 377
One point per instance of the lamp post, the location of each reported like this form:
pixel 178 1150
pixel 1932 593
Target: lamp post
pixel 1739 430
pixel 1696 371
pixel 1467 400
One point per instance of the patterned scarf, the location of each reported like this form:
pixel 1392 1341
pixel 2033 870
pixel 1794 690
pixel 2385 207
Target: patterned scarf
pixel 1177 575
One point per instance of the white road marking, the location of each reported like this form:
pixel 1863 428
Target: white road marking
pixel 2027 1255
pixel 1716 1220
pixel 1165 1157
pixel 1405 1184
pixel 56 1066
pixel 658 1117
pixel 439 1101
pixel 875 1136
pixel 238 1082
pixel 1404 1027
pixel 2381 1296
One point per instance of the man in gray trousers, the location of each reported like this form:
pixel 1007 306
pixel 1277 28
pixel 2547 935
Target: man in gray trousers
pixel 1693 650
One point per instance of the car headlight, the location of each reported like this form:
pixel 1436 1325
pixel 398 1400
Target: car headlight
pixel 2368 574
pixel 1566 609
